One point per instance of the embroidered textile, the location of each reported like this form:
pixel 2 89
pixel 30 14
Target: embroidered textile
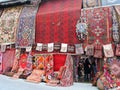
pixel 98 51
pixel 8 24
pixel 29 62
pixel 49 66
pixel 110 2
pixel 91 3
pixel 39 47
pixel 115 29
pixel 26 27
pixel 64 47
pixel 108 50
pixel 90 50
pixel 81 30
pixel 79 49
pixel 50 47
pixel 67 76
pixel 3 48
pixel 23 60
pixel 99 25
pixel 56 21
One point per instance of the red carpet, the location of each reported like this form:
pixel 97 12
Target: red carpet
pixel 56 21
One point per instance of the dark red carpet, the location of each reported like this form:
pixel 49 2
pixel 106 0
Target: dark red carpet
pixel 56 21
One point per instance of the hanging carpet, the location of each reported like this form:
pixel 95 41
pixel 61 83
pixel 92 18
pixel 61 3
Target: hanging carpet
pixel 56 21
pixel 26 27
pixel 99 25
pixel 8 24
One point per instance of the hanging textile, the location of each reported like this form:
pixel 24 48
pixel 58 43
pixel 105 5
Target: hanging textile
pixel 23 61
pixel 98 51
pixel 26 27
pixel 39 61
pixel 50 47
pixel 117 9
pixel 64 47
pixel 115 29
pixel 99 25
pixel 79 49
pixel 29 61
pixel 110 2
pixel 108 50
pixel 48 66
pixel 8 59
pixel 67 75
pixel 56 21
pixel 91 3
pixel 16 61
pixel 8 24
pixel 81 29
pixel 1 62
pixel 90 50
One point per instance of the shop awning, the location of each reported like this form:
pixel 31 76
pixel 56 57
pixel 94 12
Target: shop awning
pixel 56 21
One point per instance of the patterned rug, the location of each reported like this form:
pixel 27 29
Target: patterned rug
pixel 8 63
pixel 99 25
pixel 8 24
pixel 115 30
pixel 67 76
pixel 26 27
pixel 56 21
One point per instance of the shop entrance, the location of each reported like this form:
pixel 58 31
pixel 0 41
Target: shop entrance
pixel 85 68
